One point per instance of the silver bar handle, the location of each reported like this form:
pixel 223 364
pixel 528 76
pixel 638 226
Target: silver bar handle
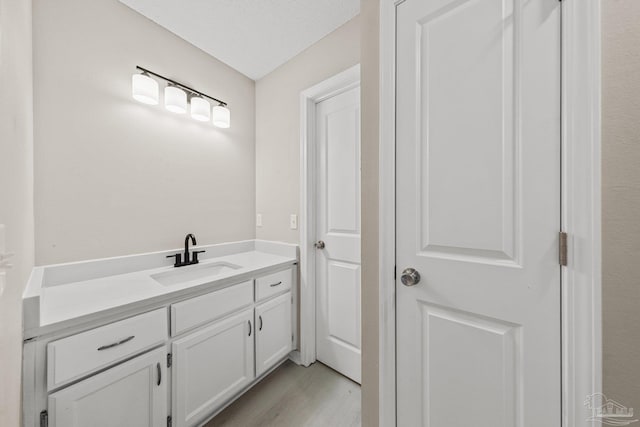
pixel 115 344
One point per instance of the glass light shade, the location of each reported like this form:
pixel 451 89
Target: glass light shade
pixel 221 116
pixel 200 109
pixel 144 89
pixel 175 100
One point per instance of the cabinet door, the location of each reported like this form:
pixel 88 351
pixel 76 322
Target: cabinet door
pixel 273 336
pixel 210 366
pixel 132 394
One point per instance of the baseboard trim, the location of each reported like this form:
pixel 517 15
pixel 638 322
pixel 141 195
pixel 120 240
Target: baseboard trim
pixel 296 358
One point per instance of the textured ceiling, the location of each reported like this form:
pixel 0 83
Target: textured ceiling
pixel 252 36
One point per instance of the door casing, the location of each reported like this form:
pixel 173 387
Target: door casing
pixel 339 83
pixel 581 218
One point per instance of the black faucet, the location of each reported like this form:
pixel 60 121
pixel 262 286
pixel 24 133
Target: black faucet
pixel 188 258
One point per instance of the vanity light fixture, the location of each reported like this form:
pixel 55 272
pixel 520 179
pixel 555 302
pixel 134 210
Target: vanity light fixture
pixel 200 109
pixel 175 99
pixel 221 116
pixel 144 89
pixel 177 96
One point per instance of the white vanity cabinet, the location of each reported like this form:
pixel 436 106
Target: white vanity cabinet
pixel 176 363
pixel 132 394
pixel 213 364
pixel 210 366
pixel 273 335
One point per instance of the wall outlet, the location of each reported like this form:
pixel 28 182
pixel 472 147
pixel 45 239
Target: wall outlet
pixel 293 221
pixel 258 220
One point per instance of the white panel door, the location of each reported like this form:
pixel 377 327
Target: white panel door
pixel 478 213
pixel 210 366
pixel 133 394
pixel 273 332
pixel 338 227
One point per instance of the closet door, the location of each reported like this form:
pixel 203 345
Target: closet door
pixel 478 213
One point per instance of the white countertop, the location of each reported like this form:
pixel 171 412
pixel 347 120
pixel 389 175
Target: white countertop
pixel 60 305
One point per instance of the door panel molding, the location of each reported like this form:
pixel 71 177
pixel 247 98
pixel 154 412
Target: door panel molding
pixel 435 36
pixel 581 203
pixel 339 83
pixel 502 368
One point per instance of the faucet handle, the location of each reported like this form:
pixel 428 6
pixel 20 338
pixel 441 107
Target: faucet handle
pixel 178 258
pixel 195 256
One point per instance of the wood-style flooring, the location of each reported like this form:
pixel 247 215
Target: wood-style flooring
pixel 294 396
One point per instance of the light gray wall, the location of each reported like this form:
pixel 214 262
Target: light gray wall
pixel 278 126
pixel 16 192
pixel 114 176
pixel 370 30
pixel 621 200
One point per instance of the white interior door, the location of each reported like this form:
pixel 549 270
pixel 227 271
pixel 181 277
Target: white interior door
pixel 338 227
pixel 478 213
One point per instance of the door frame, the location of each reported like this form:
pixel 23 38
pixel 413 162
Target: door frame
pixel 580 216
pixel 341 82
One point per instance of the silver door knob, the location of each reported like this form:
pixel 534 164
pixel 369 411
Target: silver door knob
pixel 410 277
pixel 319 244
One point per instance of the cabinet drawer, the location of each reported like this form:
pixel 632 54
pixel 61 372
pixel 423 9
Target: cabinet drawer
pixel 73 357
pixel 200 310
pixel 273 284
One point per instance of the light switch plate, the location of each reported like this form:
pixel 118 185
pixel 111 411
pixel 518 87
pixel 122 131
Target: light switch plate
pixel 258 220
pixel 293 221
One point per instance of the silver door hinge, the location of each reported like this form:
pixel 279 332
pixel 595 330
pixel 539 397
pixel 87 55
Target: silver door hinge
pixel 169 421
pixel 563 255
pixel 44 419
pixel 169 360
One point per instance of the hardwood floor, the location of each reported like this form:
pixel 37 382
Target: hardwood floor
pixel 294 396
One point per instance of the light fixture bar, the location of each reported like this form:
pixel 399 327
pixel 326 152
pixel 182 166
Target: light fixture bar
pixel 182 86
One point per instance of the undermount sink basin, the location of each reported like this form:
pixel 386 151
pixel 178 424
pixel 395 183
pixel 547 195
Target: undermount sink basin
pixel 193 272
